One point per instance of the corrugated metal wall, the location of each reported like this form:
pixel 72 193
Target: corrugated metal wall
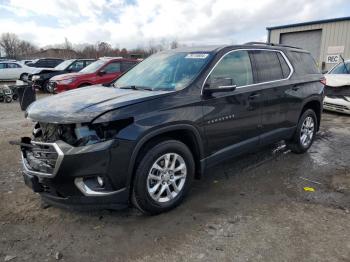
pixel 333 34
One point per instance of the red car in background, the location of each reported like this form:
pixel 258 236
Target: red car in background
pixel 102 71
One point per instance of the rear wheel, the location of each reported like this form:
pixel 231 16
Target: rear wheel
pixel 163 177
pixel 305 134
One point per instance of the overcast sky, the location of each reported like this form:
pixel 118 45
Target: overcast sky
pixel 133 23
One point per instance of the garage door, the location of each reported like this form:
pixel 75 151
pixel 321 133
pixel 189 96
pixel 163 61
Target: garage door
pixel 308 40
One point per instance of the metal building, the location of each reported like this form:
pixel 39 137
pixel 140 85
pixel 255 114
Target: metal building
pixel 326 40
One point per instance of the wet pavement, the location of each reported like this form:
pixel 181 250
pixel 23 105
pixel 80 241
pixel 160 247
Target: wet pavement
pixel 251 208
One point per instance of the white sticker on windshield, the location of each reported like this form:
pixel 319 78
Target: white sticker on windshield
pixel 197 56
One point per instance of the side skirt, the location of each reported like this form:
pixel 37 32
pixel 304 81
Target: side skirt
pixel 246 146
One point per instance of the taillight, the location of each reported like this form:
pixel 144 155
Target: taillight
pixel 323 81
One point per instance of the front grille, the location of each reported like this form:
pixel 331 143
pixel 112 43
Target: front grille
pixel 336 107
pixel 41 158
pixel 51 86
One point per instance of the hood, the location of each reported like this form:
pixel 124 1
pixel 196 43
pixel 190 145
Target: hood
pixel 337 80
pixel 84 104
pixel 66 76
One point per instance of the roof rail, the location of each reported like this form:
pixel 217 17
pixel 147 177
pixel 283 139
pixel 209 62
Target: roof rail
pixel 271 44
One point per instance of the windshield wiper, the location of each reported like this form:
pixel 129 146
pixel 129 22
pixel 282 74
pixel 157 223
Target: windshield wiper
pixel 136 87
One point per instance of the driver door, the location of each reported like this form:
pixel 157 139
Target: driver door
pixel 232 119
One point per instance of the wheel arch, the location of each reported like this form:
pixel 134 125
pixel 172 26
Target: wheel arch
pixel 316 106
pixel 82 84
pixel 187 134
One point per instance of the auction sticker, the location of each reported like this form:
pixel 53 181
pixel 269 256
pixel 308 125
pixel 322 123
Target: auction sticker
pixel 197 56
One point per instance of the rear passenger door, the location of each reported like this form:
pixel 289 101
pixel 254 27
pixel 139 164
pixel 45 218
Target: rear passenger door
pixel 271 73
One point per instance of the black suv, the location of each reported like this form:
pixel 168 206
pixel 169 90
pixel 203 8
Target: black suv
pixel 40 78
pixel 160 125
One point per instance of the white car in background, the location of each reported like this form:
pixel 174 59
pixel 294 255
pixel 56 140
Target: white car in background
pixel 338 88
pixel 13 70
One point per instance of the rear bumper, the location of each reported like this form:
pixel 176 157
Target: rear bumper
pixel 72 181
pixel 336 105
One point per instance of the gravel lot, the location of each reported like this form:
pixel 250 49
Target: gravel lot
pixel 252 208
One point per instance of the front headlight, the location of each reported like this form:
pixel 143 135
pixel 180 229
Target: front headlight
pixel 66 81
pixel 35 77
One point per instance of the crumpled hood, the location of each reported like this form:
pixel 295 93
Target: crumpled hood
pixel 84 104
pixel 65 76
pixel 337 80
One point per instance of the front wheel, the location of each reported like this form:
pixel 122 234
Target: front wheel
pixel 305 134
pixel 163 177
pixel 23 77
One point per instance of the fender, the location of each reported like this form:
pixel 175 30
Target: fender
pixel 160 131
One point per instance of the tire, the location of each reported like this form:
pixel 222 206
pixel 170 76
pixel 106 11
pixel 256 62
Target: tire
pixel 8 99
pixel 305 133
pixel 23 76
pixel 163 185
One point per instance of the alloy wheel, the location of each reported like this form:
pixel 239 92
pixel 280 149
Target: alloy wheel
pixel 307 131
pixel 166 177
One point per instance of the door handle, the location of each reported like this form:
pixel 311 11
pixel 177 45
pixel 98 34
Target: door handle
pixel 295 88
pixel 253 96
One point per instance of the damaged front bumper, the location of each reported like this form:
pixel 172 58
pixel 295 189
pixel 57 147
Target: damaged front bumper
pixel 71 176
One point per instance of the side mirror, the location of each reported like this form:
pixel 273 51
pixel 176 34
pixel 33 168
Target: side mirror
pixel 221 84
pixel 102 72
pixel 324 71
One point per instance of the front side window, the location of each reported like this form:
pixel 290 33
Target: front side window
pixel 268 67
pixel 76 66
pixel 341 69
pixel 236 66
pixel 2 66
pixel 113 67
pixel 168 70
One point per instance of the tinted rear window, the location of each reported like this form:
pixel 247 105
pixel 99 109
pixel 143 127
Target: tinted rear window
pixel 303 63
pixel 267 65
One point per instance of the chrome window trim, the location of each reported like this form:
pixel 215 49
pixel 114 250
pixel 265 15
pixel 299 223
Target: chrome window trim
pixel 42 174
pixel 253 49
pixel 87 191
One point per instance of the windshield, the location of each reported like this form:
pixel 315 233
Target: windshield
pixel 341 69
pixel 165 71
pixel 64 64
pixel 93 67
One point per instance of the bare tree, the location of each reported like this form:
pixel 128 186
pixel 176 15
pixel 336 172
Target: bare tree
pixel 104 49
pixel 9 43
pixel 14 47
